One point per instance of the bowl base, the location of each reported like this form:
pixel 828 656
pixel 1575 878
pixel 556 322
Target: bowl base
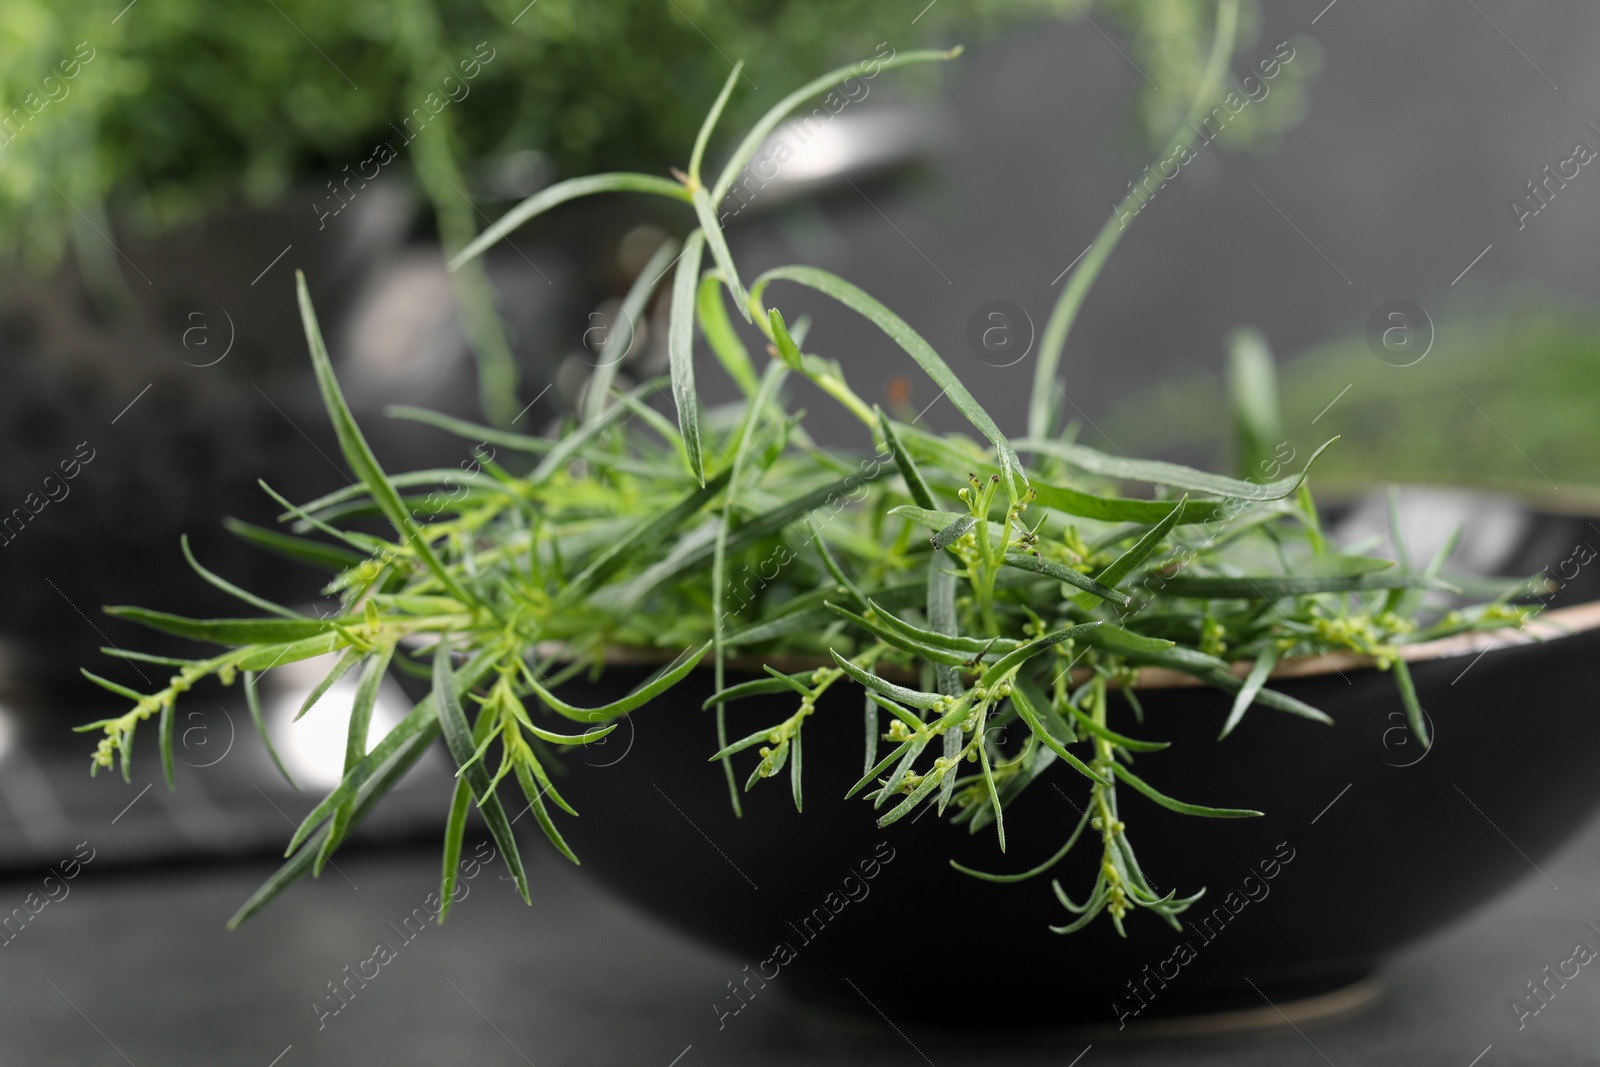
pixel 1337 1003
pixel 1244 1010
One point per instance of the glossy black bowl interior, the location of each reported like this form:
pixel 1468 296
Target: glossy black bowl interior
pixel 1363 846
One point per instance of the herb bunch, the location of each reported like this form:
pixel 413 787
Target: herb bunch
pixel 959 587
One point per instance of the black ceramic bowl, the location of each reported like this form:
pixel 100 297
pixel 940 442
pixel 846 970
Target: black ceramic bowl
pixel 1364 846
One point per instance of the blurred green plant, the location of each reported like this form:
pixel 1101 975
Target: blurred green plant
pixel 184 107
pixel 188 105
pixel 1169 41
pixel 1507 398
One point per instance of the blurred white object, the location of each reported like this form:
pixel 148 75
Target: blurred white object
pixel 8 732
pixel 402 339
pixel 1492 525
pixel 313 748
pixel 814 152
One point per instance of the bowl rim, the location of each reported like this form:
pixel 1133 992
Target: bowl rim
pixel 1546 626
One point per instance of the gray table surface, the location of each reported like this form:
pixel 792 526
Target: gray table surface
pixel 136 968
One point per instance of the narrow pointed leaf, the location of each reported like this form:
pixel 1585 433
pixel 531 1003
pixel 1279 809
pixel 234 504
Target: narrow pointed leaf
pixel 560 193
pixel 1051 569
pixel 302 549
pixel 165 728
pixel 954 532
pixel 458 736
pixel 620 337
pixel 1079 923
pixel 916 347
pixel 706 213
pixel 354 499
pixel 928 784
pixel 355 751
pixel 894 637
pixel 1273 586
pixel 710 123
pixel 1252 685
pixel 794 770
pixel 870 723
pixel 994 796
pixel 145 657
pixel 455 828
pixel 364 543
pixel 1132 744
pixel 1141 550
pixel 1018 656
pixel 941 609
pixel 1156 472
pixel 1177 805
pixel 916 484
pixel 267 657
pixel 1408 697
pixel 358 454
pixel 1032 872
pixel 913 697
pixel 793 684
pixel 680 351
pixel 113 687
pixel 757 135
pixel 788 348
pixel 252 699
pixel 892 786
pixel 719 333
pixel 654 686
pixel 1030 717
pixel 832 566
pixel 755 688
pixel 760 737
pixel 877 769
pixel 471 431
pixel 231 589
pixel 950 642
pixel 535 794
pixel 1152 652
pixel 548 789
pixel 229 631
pixel 340 668
pixel 588 737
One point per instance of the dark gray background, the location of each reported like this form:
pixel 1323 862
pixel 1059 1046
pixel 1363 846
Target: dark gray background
pixel 1423 122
